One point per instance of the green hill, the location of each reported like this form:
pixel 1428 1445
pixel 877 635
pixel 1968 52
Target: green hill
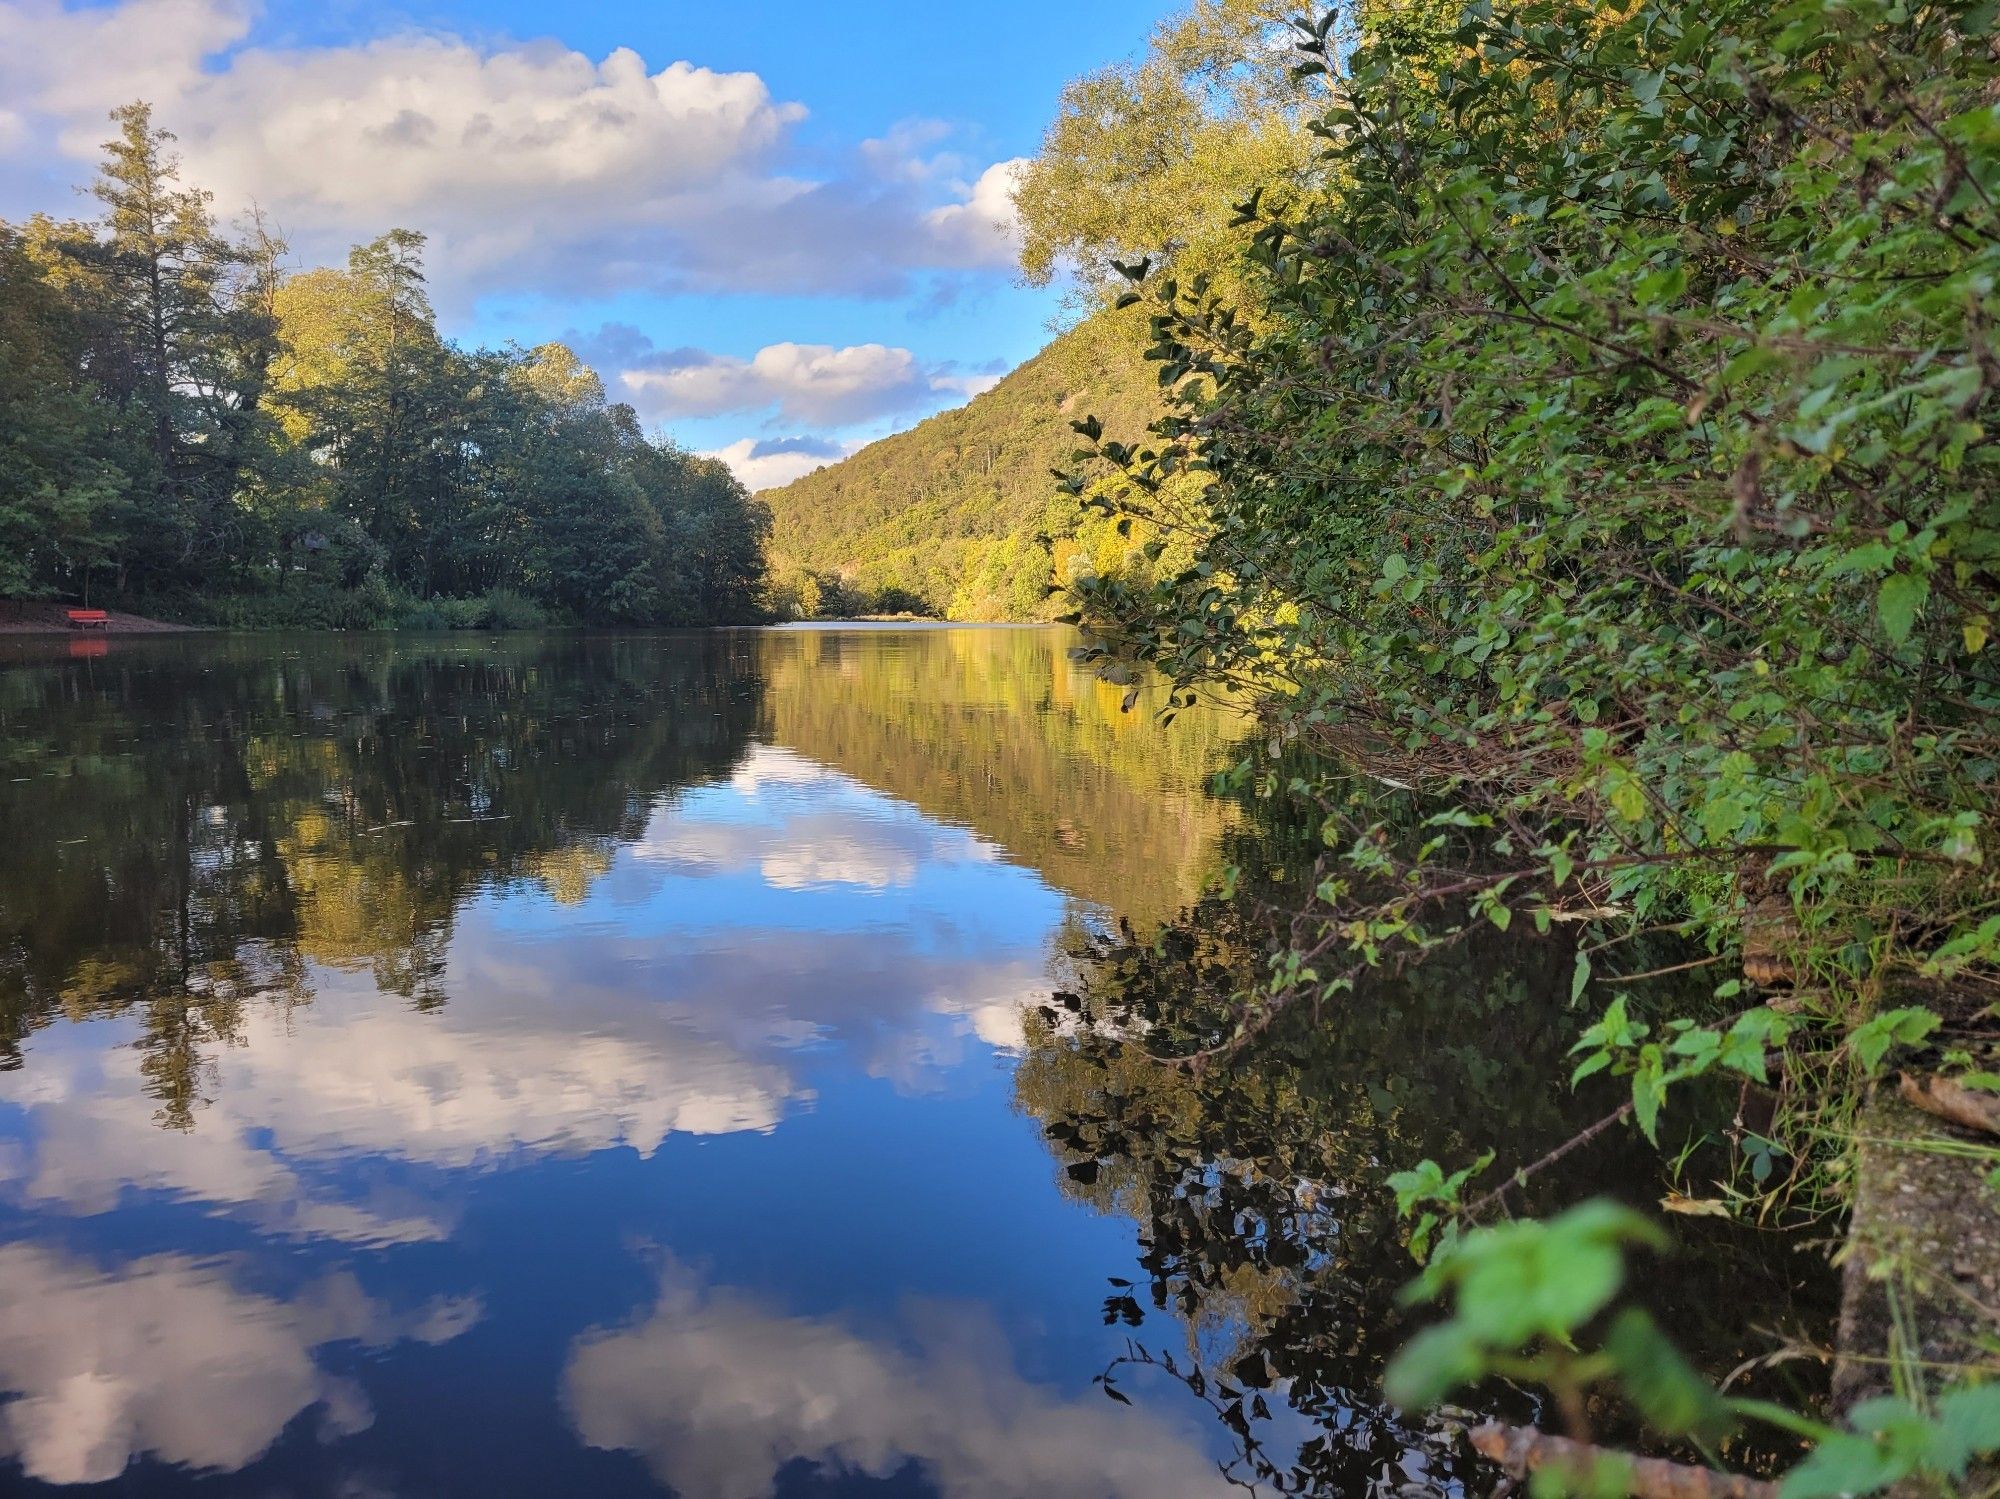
pixel 959 517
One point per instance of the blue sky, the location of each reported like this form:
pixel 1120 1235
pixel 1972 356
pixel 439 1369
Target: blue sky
pixel 777 228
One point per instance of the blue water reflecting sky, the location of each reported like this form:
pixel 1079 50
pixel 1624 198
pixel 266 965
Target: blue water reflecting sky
pixel 704 1175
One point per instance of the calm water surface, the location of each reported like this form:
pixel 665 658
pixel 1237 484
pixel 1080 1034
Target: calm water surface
pixel 614 1066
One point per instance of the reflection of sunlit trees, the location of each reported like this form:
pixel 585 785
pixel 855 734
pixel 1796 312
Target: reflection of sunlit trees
pixel 199 829
pixel 1002 733
pixel 568 873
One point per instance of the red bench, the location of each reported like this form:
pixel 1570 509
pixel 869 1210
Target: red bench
pixel 88 619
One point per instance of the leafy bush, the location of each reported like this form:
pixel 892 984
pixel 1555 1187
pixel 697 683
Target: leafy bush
pixel 434 614
pixel 504 609
pixel 305 604
pixel 1526 1299
pixel 1610 459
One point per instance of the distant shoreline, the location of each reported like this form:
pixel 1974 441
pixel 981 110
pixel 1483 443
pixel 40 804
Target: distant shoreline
pixel 907 621
pixel 42 618
pixel 39 617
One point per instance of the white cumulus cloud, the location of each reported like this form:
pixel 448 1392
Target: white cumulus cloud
pixel 70 64
pixel 811 385
pixel 531 164
pixel 985 228
pixel 771 463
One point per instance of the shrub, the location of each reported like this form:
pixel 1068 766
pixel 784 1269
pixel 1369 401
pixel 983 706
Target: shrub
pixel 504 609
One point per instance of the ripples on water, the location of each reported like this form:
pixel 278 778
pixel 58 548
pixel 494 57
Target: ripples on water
pixel 601 1065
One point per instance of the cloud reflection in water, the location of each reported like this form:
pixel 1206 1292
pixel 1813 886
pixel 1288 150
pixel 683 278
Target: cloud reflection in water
pixel 618 1019
pixel 165 1356
pixel 718 1393
pixel 763 930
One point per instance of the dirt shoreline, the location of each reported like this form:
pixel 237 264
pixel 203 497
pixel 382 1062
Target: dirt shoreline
pixel 36 617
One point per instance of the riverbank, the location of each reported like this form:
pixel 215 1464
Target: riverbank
pixel 1922 1264
pixel 37 617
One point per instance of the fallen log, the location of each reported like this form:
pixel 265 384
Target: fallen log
pixel 1522 1450
pixel 1954 1102
pixel 1770 943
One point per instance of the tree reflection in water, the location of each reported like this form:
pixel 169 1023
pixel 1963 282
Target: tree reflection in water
pixel 1270 1251
pixel 231 815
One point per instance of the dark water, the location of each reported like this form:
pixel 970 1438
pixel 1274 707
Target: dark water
pixel 703 1063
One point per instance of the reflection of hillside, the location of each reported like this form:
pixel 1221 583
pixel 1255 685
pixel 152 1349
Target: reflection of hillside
pixel 997 731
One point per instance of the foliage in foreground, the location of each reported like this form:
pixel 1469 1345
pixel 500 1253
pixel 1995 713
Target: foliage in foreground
pixel 1521 1295
pixel 187 425
pixel 1608 461
pixel 1271 1253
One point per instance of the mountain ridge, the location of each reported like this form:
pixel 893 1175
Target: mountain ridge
pixel 960 516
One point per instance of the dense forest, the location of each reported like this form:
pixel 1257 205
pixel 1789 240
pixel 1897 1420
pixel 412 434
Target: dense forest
pixel 191 429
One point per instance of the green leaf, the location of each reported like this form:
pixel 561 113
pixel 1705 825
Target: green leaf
pixel 1669 1393
pixel 1421 1183
pixel 1530 1279
pixel 1896 605
pixel 1431 1365
pixel 1843 1465
pixel 1649 1092
pixel 1420 1237
pixel 1626 795
pixel 1873 1039
pixel 1968 1422
pixel 1889 1442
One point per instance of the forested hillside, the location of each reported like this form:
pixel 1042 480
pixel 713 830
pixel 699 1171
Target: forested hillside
pixel 959 516
pixel 1145 161
pixel 192 429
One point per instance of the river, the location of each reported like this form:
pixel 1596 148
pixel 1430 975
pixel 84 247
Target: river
pixel 708 1063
